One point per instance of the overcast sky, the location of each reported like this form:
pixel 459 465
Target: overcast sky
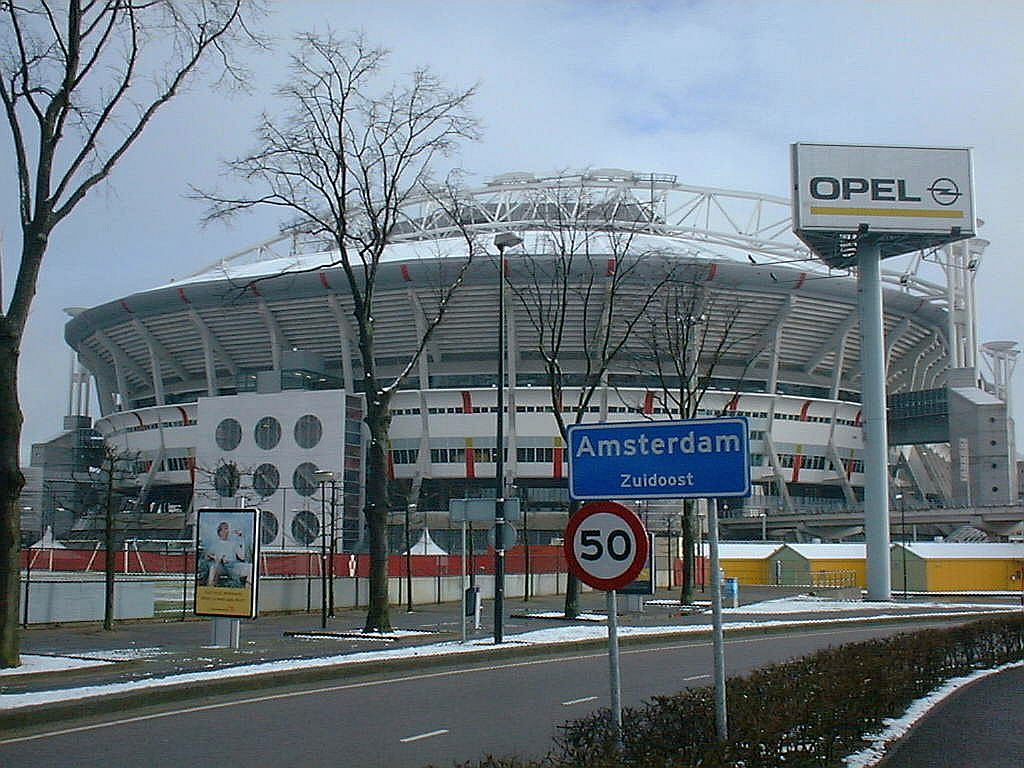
pixel 713 92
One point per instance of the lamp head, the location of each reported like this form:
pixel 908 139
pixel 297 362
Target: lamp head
pixel 505 240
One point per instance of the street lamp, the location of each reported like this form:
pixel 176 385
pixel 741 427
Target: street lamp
pixel 326 549
pixel 501 242
pixel 903 526
pixel 409 509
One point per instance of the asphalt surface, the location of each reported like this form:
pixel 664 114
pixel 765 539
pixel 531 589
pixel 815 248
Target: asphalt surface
pixel 422 711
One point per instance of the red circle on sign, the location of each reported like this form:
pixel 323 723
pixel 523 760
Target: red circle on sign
pixel 589 572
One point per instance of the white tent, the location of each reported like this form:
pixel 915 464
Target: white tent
pixel 48 542
pixel 425 546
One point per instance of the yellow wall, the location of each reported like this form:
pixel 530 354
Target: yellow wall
pixel 858 567
pixel 957 575
pixel 747 570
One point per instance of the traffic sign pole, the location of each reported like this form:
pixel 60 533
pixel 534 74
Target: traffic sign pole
pixel 721 722
pixel 613 664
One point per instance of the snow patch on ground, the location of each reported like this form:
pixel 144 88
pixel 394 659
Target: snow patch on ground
pixel 896 728
pixel 815 604
pixel 33 665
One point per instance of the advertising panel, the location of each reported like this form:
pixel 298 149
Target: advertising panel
pixel 900 198
pixel 227 554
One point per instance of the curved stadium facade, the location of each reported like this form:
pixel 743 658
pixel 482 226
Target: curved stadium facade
pixel 240 382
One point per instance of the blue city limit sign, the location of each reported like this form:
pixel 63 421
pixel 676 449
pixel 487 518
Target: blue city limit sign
pixel 695 458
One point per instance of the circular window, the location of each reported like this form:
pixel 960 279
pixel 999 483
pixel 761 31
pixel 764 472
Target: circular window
pixel 308 431
pixel 305 527
pixel 268 527
pixel 226 480
pixel 267 432
pixel 266 479
pixel 228 435
pixel 304 479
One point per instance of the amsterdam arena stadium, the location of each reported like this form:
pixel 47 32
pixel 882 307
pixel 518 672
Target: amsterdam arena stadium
pixel 239 383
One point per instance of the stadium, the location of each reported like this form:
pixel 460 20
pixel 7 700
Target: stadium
pixel 239 383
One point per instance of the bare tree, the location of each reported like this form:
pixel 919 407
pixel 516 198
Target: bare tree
pixel 585 292
pixel 688 336
pixel 79 82
pixel 346 157
pixel 115 468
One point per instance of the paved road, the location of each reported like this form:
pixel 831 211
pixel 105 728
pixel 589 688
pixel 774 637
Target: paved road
pixel 406 720
pixel 978 727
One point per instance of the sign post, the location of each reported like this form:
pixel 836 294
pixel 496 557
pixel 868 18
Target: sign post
pixel 854 206
pixel 606 547
pixel 694 458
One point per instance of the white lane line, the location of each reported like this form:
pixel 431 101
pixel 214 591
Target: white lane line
pixel 570 702
pixel 691 678
pixel 427 735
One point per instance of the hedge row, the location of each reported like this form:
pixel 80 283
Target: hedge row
pixel 812 711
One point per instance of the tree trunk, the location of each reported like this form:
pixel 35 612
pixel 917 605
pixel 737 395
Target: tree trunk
pixel 689 571
pixel 110 563
pixel 378 618
pixel 11 482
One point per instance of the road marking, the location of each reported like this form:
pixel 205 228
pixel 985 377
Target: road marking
pixel 427 735
pixel 691 678
pixel 405 679
pixel 578 701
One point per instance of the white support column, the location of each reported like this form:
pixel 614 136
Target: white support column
pixel 158 381
pixel 345 341
pixel 277 339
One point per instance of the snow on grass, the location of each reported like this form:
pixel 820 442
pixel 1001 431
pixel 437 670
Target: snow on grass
pixel 32 664
pixel 895 728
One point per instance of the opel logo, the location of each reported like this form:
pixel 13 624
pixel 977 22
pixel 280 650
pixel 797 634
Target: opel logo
pixel 944 191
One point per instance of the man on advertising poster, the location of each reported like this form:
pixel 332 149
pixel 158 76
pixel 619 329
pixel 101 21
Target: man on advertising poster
pixel 226 555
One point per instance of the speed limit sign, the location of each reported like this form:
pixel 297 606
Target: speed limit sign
pixel 606 545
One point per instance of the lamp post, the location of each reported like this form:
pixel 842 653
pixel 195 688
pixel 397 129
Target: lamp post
pixel 326 549
pixel 409 509
pixel 501 242
pixel 903 526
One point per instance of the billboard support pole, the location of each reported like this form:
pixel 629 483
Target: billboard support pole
pixel 721 716
pixel 876 468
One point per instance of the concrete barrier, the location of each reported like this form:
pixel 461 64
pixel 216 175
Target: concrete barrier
pixel 53 601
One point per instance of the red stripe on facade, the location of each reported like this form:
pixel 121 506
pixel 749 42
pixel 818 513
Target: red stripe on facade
pixel 323 281
pixel 470 459
pixel 856 419
pixel 800 282
pixel 803 410
pixel 649 403
pixel 556 464
pixel 181 293
pixel 405 273
pixel 391 466
pixel 733 403
pixel 611 267
pixel 712 271
pixel 184 415
pixel 798 462
pixel 126 308
pixel 467 402
pixel 255 291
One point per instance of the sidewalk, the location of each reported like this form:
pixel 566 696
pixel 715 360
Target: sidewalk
pixel 172 660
